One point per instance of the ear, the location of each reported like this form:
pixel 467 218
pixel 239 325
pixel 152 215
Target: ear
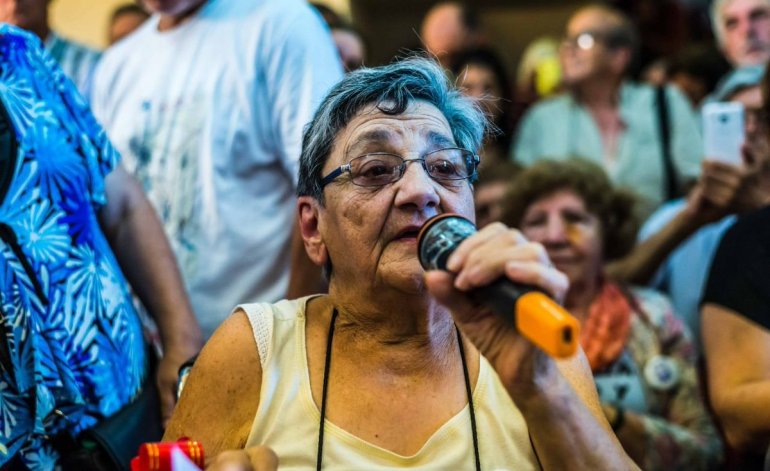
pixel 309 209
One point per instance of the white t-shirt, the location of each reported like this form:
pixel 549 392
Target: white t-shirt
pixel 209 117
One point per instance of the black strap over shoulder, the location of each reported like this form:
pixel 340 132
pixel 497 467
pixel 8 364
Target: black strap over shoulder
pixel 664 124
pixel 9 146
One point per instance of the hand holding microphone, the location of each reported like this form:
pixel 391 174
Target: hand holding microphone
pixel 532 313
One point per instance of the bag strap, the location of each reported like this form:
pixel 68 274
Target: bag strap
pixel 9 146
pixel 672 187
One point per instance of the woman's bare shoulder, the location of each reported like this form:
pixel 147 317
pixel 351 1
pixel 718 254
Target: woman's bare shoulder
pixel 221 396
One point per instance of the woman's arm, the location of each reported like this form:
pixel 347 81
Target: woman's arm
pixel 738 364
pixel 557 399
pixel 567 425
pixel 222 393
pixel 145 257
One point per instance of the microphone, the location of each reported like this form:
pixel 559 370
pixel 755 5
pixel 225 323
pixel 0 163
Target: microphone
pixel 531 312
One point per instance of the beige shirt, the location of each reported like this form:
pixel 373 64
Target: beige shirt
pixel 287 418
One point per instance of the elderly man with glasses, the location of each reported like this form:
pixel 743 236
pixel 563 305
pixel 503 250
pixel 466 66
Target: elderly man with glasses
pixel 605 118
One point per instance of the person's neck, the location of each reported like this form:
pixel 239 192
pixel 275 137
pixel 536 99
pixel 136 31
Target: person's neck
pixel 580 296
pixel 169 22
pixel 599 93
pixel 404 334
pixel 756 194
pixel 42 31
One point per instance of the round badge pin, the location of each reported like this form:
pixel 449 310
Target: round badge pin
pixel 661 372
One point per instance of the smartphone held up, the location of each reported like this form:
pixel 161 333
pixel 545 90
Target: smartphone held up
pixel 724 131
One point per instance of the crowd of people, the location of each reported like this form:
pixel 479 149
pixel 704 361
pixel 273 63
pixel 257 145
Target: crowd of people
pixel 228 198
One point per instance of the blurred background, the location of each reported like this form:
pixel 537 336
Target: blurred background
pixel 392 26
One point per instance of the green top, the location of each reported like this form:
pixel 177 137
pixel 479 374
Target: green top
pixel 560 128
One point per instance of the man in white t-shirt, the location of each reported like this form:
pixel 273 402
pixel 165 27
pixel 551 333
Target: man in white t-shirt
pixel 207 101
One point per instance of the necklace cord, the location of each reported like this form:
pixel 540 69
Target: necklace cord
pixel 327 368
pixel 471 408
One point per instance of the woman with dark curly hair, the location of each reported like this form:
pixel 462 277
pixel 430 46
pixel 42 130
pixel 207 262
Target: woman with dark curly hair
pixel 640 353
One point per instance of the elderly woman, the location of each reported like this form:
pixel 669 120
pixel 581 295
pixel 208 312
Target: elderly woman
pixel 641 356
pixel 395 367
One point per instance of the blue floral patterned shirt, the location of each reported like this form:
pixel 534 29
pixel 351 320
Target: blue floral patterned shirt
pixel 72 350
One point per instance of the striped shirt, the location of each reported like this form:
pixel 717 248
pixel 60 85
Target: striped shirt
pixel 76 60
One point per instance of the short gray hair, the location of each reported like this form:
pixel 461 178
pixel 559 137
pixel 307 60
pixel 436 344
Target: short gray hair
pixel 717 20
pixel 391 88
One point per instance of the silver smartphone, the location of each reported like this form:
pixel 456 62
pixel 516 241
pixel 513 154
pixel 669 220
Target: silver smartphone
pixel 724 131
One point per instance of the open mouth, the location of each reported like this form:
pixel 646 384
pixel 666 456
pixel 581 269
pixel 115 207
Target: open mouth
pixel 408 233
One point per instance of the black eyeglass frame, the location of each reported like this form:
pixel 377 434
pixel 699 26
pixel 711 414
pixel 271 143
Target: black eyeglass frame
pixel 475 160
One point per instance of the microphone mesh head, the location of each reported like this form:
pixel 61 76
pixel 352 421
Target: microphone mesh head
pixel 439 237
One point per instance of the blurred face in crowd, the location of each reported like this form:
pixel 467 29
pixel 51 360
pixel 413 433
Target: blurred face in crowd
pixel 488 199
pixel 568 231
pixel 693 86
pixel 584 52
pixel 745 31
pixel 479 81
pixel 31 15
pixel 350 48
pixel 370 232
pixel 444 33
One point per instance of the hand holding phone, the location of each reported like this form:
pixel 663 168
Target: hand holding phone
pixel 724 131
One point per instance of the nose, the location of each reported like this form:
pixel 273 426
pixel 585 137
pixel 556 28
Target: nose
pixel 416 187
pixel 747 28
pixel 555 231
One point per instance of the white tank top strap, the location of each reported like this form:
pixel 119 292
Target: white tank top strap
pixel 260 317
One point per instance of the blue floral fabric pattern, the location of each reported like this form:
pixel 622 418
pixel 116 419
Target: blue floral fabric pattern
pixel 73 339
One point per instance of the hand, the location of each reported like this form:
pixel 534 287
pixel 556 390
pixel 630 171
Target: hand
pixel 493 252
pixel 716 192
pixel 168 374
pixel 258 458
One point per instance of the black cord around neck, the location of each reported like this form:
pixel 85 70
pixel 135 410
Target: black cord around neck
pixel 325 390
pixel 471 408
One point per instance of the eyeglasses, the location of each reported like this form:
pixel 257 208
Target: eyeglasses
pixel 585 41
pixel 381 168
pixel 588 40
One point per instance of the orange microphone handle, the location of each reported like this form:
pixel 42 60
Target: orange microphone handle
pixel 546 324
pixel 534 315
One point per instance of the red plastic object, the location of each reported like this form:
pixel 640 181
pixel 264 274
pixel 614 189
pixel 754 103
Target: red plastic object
pixel 156 456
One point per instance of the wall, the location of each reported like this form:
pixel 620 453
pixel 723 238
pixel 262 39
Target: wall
pixel 83 20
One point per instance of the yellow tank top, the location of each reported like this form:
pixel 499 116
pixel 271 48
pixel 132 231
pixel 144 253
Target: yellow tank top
pixel 287 418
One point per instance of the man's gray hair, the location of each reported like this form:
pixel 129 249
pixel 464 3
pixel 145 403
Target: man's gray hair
pixel 391 88
pixel 717 19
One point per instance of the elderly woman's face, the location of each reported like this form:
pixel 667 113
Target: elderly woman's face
pixel 370 233
pixel 569 232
